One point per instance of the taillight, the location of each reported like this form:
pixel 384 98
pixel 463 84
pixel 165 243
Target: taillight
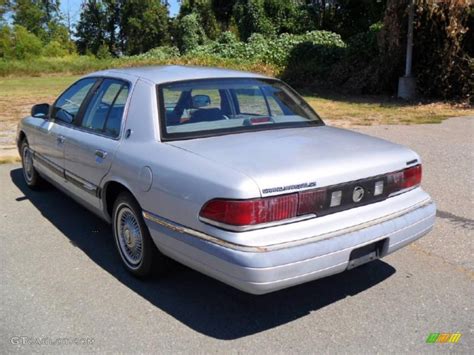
pixel 311 201
pixel 319 202
pixel 412 176
pixel 251 212
pixel 404 179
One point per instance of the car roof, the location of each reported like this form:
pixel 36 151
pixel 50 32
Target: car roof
pixel 170 73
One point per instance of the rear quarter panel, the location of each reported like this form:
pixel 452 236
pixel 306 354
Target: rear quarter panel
pixel 181 182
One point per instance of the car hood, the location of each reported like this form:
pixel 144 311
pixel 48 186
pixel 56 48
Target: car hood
pixel 287 160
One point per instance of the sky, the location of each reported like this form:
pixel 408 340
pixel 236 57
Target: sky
pixel 73 7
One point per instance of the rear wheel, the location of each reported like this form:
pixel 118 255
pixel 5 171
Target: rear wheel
pixel 31 176
pixel 132 238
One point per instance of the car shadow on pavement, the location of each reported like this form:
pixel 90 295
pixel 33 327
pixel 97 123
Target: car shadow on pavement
pixel 201 303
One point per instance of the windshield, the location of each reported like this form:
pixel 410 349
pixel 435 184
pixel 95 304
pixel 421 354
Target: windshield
pixel 200 108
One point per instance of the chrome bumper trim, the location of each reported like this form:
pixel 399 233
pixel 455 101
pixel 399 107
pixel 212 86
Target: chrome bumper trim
pixel 261 249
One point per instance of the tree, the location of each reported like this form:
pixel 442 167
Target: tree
pixel 113 11
pixel 206 15
pixel 30 15
pixel 40 17
pixel 251 18
pixel 144 25
pixel 346 17
pixel 4 8
pixel 223 11
pixel 90 29
pixel 190 33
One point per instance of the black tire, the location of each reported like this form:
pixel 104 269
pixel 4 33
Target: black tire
pixel 127 215
pixel 32 178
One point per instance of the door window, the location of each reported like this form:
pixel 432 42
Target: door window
pixel 105 110
pixel 67 106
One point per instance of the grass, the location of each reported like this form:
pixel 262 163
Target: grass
pixel 373 110
pixel 18 94
pixel 10 159
pixel 75 65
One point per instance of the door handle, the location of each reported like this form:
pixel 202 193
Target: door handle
pixel 100 153
pixel 60 139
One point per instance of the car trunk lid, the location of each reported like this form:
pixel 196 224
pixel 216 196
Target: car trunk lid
pixel 287 160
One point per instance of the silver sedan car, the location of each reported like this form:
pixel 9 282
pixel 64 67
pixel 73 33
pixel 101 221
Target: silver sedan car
pixel 228 172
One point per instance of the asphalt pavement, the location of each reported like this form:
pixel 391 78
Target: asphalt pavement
pixel 62 288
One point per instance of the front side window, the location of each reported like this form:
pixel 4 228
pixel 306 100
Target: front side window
pixel 199 108
pixel 68 104
pixel 105 110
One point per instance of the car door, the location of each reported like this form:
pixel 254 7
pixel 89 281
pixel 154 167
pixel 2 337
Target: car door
pixel 50 137
pixel 90 148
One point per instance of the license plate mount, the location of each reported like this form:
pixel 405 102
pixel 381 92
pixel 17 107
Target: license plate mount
pixel 365 254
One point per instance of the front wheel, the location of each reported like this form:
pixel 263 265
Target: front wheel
pixel 31 176
pixel 132 238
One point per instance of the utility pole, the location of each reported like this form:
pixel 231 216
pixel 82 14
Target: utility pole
pixel 407 83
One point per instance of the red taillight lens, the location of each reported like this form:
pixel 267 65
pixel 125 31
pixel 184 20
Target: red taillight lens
pixel 412 176
pixel 311 201
pixel 251 212
pixel 404 179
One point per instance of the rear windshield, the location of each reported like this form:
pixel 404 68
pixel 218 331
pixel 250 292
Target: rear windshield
pixel 201 108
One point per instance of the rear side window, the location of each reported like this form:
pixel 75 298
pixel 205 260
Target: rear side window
pixel 105 110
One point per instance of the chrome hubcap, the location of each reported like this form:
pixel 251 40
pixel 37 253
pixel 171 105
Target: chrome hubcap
pixel 129 235
pixel 27 164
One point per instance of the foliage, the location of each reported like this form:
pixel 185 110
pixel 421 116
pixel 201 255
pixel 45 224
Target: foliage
pixel 206 14
pixel 312 59
pixel 74 64
pixel 251 18
pixel 90 30
pixel 103 52
pixel 354 46
pixel 348 17
pixel 144 25
pixel 18 43
pixel 160 53
pixel 442 62
pixel 40 17
pixel 54 49
pixel 190 33
pixel 4 6
pixel 275 51
pixel 355 71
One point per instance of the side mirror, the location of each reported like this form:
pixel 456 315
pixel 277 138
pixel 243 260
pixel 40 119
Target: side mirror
pixel 201 101
pixel 40 110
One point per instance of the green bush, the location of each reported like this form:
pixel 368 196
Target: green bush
pixel 18 43
pixel 311 60
pixel 103 52
pixel 26 45
pixel 75 64
pixel 54 49
pixel 6 45
pixel 226 46
pixel 274 51
pixel 358 70
pixel 364 44
pixel 159 53
pixel 190 33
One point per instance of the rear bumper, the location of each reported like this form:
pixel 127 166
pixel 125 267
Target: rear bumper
pixel 260 270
